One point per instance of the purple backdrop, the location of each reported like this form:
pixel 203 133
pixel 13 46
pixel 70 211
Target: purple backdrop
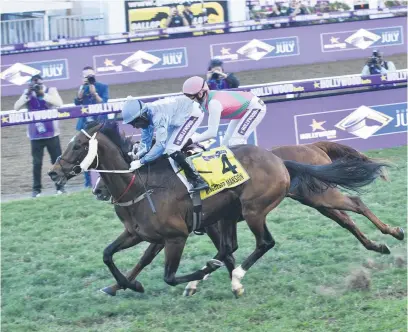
pixel 145 61
pixel 370 120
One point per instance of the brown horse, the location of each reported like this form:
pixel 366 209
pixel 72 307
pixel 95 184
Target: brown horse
pixel 170 223
pixel 331 203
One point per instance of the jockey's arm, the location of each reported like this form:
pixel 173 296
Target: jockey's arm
pixel 214 117
pixel 146 140
pixel 158 148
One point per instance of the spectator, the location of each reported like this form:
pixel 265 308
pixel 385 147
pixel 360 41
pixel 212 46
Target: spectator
pixel 90 92
pixel 276 11
pixel 217 79
pixel 377 65
pixel 175 19
pixel 41 134
pixel 297 8
pixel 187 13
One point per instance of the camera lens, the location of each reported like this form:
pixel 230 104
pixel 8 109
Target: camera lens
pixel 91 80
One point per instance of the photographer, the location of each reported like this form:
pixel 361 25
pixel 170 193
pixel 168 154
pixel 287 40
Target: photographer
pixel 217 79
pixel 376 65
pixel 90 92
pixel 41 134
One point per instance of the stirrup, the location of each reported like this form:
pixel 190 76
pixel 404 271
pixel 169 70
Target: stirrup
pixel 199 187
pixel 199 232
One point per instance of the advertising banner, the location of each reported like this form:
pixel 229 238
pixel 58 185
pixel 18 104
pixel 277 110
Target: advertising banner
pixel 375 82
pixel 147 15
pixel 367 120
pixel 183 57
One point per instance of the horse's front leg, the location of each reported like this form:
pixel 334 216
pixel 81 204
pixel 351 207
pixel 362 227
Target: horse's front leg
pixel 125 240
pixel 151 252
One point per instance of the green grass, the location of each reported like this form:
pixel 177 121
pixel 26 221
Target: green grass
pixel 52 269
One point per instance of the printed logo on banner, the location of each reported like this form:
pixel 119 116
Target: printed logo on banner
pixel 361 123
pixel 361 39
pixel 20 73
pixel 140 61
pixel 364 122
pixel 255 49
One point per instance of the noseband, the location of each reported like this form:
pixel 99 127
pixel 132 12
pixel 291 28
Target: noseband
pixel 91 153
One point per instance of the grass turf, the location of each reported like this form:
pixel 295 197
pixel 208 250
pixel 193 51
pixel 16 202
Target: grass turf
pixel 52 269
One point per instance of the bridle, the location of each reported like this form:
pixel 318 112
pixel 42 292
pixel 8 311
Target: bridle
pixel 91 154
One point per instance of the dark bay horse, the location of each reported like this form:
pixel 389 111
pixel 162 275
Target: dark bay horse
pixel 331 203
pixel 271 179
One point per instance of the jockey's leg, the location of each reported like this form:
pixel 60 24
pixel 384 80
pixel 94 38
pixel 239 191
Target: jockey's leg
pixel 248 123
pixel 192 175
pixel 230 131
pixel 178 139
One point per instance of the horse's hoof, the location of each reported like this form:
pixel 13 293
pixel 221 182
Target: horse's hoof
pixel 401 234
pixel 189 291
pixel 384 249
pixel 136 286
pixel 108 291
pixel 238 292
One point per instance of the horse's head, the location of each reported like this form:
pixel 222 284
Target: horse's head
pixel 99 145
pixel 79 155
pixel 101 191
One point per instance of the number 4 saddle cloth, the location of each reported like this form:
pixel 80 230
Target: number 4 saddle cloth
pixel 218 167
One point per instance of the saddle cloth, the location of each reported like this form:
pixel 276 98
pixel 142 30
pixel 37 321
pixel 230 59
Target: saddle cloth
pixel 218 167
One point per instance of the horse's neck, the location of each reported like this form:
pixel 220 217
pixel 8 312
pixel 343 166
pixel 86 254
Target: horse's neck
pixel 111 159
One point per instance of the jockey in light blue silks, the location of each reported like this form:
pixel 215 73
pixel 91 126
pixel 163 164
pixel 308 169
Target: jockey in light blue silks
pixel 175 120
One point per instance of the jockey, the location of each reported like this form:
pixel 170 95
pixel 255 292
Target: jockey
pixel 175 120
pixel 244 109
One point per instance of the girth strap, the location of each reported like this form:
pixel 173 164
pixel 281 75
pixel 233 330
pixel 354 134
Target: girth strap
pixel 197 210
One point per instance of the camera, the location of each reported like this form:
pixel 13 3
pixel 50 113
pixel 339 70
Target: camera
pixel 215 76
pixel 36 87
pixel 373 61
pixel 91 79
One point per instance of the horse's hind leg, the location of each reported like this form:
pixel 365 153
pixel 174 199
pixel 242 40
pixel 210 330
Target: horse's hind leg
pixel 151 252
pixel 346 222
pixel 355 204
pixel 224 237
pixel 334 199
pixel 125 240
pixel 264 242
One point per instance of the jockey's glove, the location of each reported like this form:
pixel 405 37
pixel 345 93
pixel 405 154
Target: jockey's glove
pixel 134 165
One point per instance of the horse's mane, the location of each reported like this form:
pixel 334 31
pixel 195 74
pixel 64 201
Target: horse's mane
pixel 110 129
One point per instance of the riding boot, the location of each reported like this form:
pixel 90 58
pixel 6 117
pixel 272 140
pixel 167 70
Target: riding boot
pixel 191 173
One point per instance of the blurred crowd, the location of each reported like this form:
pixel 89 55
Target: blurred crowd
pixel 261 9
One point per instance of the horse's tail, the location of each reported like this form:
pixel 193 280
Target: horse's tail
pixel 336 151
pixel 350 174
